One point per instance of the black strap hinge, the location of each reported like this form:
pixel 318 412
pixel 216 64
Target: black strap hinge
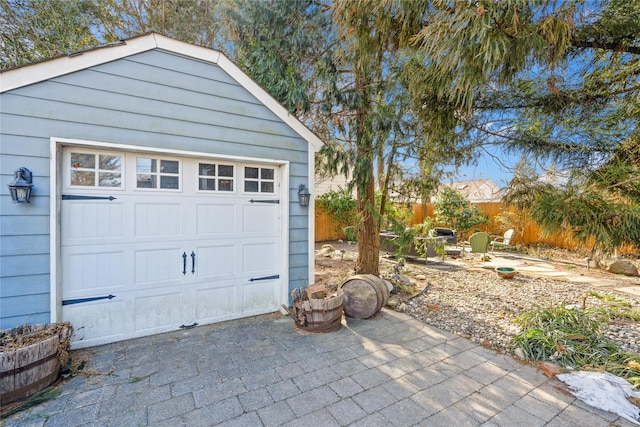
pixel 81 300
pixel 264 201
pixel 74 197
pixel 255 279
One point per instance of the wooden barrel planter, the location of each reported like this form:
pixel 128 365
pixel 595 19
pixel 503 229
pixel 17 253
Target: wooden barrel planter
pixel 30 368
pixel 316 312
pixel 364 295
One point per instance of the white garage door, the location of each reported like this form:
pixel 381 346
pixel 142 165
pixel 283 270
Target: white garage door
pixel 155 243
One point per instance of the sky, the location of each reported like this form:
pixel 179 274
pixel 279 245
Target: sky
pixel 491 164
pixel 489 168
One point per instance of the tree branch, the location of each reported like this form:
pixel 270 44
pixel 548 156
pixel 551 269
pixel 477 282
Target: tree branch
pixel 615 47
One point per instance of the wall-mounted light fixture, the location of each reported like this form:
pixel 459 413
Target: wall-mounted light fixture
pixel 20 187
pixel 304 195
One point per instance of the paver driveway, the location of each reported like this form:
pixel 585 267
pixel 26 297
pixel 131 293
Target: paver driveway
pixel 391 370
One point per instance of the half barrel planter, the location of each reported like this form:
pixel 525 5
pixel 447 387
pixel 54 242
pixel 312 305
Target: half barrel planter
pixel 364 295
pixel 317 314
pixel 27 370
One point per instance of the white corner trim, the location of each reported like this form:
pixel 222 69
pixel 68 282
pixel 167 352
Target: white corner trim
pixel 187 49
pixel 263 96
pixel 41 71
pixel 54 236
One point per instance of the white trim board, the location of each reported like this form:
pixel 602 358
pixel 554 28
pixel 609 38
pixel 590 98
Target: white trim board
pixel 34 73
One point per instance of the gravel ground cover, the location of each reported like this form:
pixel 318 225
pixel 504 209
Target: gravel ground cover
pixel 474 302
pixel 481 306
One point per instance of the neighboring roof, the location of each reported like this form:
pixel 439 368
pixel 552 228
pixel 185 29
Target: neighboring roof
pixel 29 74
pixel 479 190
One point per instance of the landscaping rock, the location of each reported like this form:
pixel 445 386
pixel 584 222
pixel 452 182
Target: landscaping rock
pixel 327 250
pixel 519 353
pixel 622 266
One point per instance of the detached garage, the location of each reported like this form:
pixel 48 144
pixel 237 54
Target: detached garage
pixel 165 192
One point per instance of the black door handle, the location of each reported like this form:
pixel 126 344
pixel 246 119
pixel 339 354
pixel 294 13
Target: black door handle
pixel 193 262
pixel 184 263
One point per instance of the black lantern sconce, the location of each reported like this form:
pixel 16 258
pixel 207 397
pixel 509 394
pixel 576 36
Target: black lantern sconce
pixel 304 195
pixel 20 187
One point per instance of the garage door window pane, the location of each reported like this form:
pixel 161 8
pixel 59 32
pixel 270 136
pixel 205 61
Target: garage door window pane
pixel 110 163
pixel 169 166
pixel 225 185
pixel 207 169
pixel 85 179
pixel 251 186
pixel 108 179
pixel 145 165
pixel 146 181
pixel 266 174
pixel 170 182
pixel 210 177
pixel 251 173
pixel 225 170
pixel 207 184
pixel 83 161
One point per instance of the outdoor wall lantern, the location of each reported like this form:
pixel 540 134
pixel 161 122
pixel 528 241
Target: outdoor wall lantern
pixel 20 187
pixel 304 195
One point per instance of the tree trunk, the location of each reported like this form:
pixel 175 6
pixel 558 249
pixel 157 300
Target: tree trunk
pixel 368 233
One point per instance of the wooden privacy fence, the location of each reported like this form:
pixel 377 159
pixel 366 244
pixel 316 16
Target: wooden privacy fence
pixel 531 233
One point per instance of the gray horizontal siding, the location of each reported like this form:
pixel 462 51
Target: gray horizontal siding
pixel 23 245
pixel 300 222
pixel 39 206
pixel 21 225
pixel 195 137
pixel 25 299
pixel 25 285
pixel 39 166
pixel 183 65
pixel 26 146
pixel 298 247
pixel 24 309
pixel 155 99
pixel 25 265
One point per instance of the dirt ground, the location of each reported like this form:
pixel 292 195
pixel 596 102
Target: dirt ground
pixel 332 270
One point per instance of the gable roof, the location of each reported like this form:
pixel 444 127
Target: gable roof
pixel 478 190
pixel 29 74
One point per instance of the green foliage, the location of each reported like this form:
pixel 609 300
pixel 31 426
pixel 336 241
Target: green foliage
pixel 404 241
pixel 424 234
pixel 454 211
pixel 191 21
pixel 589 214
pixel 556 82
pixel 276 43
pixel 506 220
pixel 411 237
pixel 394 212
pixel 617 308
pixel 572 337
pixel 599 208
pixel 341 206
pixel 40 29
